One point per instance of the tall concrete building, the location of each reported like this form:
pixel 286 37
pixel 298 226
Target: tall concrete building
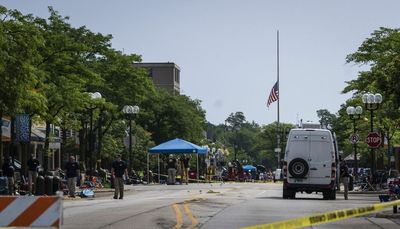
pixel 164 75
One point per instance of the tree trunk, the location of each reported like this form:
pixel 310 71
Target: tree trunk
pixel 46 152
pixel 24 158
pixel 82 147
pixel 99 141
pixel 13 143
pixel 64 154
pixel 1 141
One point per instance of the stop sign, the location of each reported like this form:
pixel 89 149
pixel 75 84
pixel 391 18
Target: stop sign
pixel 373 140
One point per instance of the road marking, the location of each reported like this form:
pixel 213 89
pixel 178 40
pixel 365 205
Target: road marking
pixel 189 213
pixel 178 215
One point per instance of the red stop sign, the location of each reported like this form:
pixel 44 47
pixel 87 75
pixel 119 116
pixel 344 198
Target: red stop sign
pixel 373 140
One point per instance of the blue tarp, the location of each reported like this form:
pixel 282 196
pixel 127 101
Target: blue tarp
pixel 178 146
pixel 249 167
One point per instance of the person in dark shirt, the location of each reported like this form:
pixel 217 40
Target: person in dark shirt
pixel 345 176
pixel 8 171
pixel 72 168
pixel 185 167
pixel 33 165
pixel 118 170
pixel 171 165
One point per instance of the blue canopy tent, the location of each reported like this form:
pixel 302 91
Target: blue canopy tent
pixel 176 146
pixel 249 167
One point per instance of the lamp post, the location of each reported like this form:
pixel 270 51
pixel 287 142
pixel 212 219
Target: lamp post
pixel 372 102
pixel 354 114
pixel 93 96
pixel 129 112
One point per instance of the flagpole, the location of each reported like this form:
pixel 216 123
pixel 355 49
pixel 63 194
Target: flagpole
pixel 278 137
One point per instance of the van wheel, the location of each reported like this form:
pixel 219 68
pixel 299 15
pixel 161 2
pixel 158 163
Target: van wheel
pixel 298 168
pixel 333 194
pixel 285 194
pixel 292 194
pixel 326 195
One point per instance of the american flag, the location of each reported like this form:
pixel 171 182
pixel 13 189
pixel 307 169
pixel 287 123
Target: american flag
pixel 273 95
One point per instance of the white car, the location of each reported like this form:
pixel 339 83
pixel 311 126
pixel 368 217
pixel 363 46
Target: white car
pixel 310 163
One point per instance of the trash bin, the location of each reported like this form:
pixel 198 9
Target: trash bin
pixel 40 186
pixel 56 184
pixel 48 185
pixel 3 186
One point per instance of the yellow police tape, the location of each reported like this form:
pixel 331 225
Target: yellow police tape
pixel 325 217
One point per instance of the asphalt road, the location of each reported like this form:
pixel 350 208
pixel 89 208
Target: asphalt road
pixel 210 206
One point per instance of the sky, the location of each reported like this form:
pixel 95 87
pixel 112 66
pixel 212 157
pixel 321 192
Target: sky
pixel 227 49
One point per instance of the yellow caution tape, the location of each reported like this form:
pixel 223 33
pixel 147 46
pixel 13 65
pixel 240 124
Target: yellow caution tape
pixel 325 217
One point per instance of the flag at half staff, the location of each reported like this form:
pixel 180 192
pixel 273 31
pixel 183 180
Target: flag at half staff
pixel 273 95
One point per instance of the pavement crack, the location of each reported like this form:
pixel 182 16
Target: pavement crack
pixel 131 216
pixel 373 223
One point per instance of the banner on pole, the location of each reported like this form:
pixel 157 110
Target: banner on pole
pixel 22 126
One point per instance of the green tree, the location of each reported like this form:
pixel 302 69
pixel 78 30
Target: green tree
pixel 66 54
pixel 266 143
pixel 381 53
pixel 19 44
pixel 168 117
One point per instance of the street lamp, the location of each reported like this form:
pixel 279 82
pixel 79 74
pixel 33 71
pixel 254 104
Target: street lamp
pixel 93 96
pixel 354 114
pixel 129 112
pixel 372 102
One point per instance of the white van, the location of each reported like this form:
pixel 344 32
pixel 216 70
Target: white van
pixel 310 163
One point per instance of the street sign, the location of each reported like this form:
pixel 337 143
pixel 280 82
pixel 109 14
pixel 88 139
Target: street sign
pixel 373 140
pixel 277 150
pixel 354 138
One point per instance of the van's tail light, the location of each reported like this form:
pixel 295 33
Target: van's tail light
pixel 333 177
pixel 284 168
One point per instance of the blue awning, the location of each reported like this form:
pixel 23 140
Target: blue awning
pixel 178 146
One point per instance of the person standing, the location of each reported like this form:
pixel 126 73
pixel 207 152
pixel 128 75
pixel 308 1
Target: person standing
pixel 210 167
pixel 33 165
pixel 8 171
pixel 171 165
pixel 345 176
pixel 118 170
pixel 185 168
pixel 72 168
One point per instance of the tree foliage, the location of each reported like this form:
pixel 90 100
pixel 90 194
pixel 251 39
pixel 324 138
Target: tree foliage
pixel 381 54
pixel 48 68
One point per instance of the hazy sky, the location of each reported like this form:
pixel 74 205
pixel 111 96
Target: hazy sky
pixel 226 49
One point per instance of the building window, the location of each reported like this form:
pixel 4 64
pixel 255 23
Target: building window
pixel 150 71
pixel 176 75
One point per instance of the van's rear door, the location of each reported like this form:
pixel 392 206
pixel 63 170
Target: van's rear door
pixel 321 158
pixel 298 147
